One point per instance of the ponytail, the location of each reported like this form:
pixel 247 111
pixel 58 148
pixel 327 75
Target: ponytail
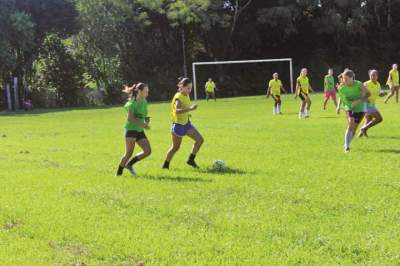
pixel 134 90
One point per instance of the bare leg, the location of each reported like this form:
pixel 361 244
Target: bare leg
pixel 145 145
pixel 176 144
pixel 129 147
pixel 198 142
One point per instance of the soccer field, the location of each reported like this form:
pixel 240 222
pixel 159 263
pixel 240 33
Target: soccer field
pixel 291 196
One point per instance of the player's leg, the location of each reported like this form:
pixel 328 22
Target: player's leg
pixel 351 128
pixel 392 92
pixel 396 91
pixel 143 143
pixel 198 142
pixel 373 119
pixel 275 110
pixel 308 103
pixel 279 104
pixel 129 147
pixel 176 144
pixel 302 105
pixel 326 99
pixel 334 98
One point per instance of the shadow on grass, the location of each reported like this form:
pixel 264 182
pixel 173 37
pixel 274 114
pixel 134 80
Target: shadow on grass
pixel 385 137
pixel 393 151
pixel 179 179
pixel 226 171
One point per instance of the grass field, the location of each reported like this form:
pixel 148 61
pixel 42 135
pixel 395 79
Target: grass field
pixel 292 197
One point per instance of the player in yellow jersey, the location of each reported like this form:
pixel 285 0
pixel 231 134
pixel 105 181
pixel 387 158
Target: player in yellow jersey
pixel 393 82
pixel 210 89
pixel 181 107
pixel 303 89
pixel 275 87
pixel 373 116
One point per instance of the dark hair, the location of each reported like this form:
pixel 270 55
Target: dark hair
pixel 133 91
pixel 184 82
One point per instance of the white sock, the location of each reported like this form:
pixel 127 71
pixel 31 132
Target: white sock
pixel 278 108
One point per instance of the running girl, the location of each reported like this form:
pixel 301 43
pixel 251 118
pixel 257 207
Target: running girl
pixel 329 88
pixel 393 82
pixel 137 122
pixel 303 88
pixel 373 116
pixel 353 94
pixel 181 107
pixel 274 89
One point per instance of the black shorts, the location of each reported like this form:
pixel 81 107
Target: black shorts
pixel 276 97
pixel 358 116
pixel 133 134
pixel 303 96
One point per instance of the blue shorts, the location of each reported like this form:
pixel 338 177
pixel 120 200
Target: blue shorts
pixel 181 130
pixel 370 109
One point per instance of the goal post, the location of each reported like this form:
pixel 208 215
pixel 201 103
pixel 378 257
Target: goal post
pixel 195 64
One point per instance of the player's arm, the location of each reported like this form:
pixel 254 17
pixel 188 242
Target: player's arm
pixel 133 120
pixel 269 91
pixel 364 96
pixel 180 110
pixel 339 103
pixel 283 89
pixel 298 88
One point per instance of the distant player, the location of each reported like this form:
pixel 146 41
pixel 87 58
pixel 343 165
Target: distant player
pixel 210 89
pixel 353 94
pixel 275 87
pixel 181 107
pixel 393 82
pixel 373 116
pixel 303 89
pixel 137 122
pixel 329 88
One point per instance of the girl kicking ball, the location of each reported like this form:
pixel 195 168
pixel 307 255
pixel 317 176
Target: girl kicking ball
pixel 274 89
pixel 303 89
pixel 181 107
pixel 373 116
pixel 393 82
pixel 353 95
pixel 137 122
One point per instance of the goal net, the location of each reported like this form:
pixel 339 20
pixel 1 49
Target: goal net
pixel 287 71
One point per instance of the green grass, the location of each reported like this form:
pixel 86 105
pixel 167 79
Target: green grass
pixel 293 197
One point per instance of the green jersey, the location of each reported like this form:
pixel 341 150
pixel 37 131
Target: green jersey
pixel 329 83
pixel 349 94
pixel 139 110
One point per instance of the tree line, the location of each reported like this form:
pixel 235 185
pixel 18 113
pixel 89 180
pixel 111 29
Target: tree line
pixel 71 52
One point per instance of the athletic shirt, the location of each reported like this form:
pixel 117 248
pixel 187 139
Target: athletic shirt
pixel 139 110
pixel 275 86
pixel 349 94
pixel 374 89
pixel 210 86
pixel 181 119
pixel 329 83
pixel 395 77
pixel 304 84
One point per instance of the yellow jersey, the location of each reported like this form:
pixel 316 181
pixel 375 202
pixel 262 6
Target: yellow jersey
pixel 210 86
pixel 304 84
pixel 374 89
pixel 181 119
pixel 275 85
pixel 393 77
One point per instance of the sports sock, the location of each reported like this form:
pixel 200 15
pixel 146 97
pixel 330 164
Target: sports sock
pixel 120 170
pixel 133 161
pixel 166 165
pixel 348 138
pixel 192 157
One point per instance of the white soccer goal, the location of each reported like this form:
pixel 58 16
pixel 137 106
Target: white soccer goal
pixel 195 64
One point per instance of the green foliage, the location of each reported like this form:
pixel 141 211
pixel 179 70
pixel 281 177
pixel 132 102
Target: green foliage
pixel 57 70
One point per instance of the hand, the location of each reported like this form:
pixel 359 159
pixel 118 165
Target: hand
pixel 193 107
pixel 146 126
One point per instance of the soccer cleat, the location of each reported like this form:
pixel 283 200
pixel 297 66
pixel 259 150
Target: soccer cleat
pixel 131 169
pixel 192 164
pixel 346 149
pixel 363 133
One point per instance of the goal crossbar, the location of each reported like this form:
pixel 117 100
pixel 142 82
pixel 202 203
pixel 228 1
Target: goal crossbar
pixel 241 62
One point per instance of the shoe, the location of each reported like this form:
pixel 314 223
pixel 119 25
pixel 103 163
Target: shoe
pixel 192 164
pixel 131 169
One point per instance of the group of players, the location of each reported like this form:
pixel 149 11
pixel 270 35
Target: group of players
pixel 358 99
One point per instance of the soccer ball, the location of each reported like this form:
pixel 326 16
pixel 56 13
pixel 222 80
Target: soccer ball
pixel 219 165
